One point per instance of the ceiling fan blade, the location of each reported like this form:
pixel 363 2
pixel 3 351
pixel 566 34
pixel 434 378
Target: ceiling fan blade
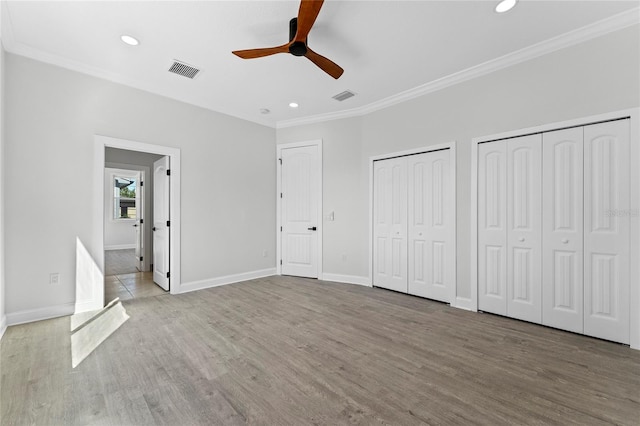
pixel 307 15
pixel 259 53
pixel 326 65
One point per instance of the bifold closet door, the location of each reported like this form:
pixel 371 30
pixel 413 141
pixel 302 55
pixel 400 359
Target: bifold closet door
pixel 509 227
pixel 492 227
pixel 524 228
pixel 390 224
pixel 431 225
pixel 606 230
pixel 562 229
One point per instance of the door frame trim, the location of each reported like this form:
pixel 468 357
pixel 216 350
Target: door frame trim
pixel 451 146
pixel 100 144
pixel 317 143
pixel 634 203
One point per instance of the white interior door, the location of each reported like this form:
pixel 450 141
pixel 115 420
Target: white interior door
pixel 390 224
pixel 562 229
pixel 300 186
pixel 139 227
pixel 161 222
pixel 431 226
pixel 492 227
pixel 524 228
pixel 606 230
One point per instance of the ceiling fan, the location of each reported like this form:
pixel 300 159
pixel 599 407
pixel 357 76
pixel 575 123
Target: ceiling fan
pixel 298 30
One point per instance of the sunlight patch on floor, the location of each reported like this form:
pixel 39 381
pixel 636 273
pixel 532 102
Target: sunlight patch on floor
pixel 90 329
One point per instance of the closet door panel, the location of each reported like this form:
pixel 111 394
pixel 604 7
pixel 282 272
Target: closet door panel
pixel 492 227
pixel 606 231
pixel 431 226
pixel 524 233
pixel 562 235
pixel 390 224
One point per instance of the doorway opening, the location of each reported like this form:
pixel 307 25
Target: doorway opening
pixel 107 150
pixel 128 220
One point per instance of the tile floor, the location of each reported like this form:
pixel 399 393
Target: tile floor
pixel 130 286
pixel 117 262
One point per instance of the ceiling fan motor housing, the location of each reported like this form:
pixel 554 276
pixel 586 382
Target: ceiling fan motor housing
pixel 297 48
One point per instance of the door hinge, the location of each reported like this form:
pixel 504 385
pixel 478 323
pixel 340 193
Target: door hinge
pixel 281 229
pixel 281 261
pixel 168 275
pixel 141 221
pixel 280 160
pixel 281 195
pixel 168 223
pixel 141 183
pixel 141 258
pixel 168 172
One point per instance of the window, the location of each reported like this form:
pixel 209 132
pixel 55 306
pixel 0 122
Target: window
pixel 124 190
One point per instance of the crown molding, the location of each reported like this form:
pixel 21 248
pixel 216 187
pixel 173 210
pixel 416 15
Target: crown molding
pixel 12 46
pixel 571 38
pixel 577 36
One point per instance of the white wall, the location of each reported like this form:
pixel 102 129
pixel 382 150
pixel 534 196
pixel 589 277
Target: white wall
pixel 52 114
pixel 345 239
pixel 3 318
pixel 594 77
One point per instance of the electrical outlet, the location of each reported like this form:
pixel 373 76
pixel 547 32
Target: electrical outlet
pixel 54 278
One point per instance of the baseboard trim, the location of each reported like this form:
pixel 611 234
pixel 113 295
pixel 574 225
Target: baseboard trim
pixel 464 303
pixel 3 325
pixel 87 305
pixel 347 279
pixel 227 279
pixel 39 314
pixel 120 247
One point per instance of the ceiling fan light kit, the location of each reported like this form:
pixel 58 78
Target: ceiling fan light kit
pixel 298 31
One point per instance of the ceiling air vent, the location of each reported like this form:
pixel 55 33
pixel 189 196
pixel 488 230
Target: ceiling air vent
pixel 344 95
pixel 183 69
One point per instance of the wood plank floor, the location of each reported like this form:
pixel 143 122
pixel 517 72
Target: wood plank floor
pixel 291 351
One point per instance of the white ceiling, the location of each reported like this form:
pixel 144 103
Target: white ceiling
pixel 385 47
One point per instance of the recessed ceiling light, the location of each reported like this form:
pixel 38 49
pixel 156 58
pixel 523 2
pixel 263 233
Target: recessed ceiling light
pixel 131 41
pixel 505 5
pixel 293 105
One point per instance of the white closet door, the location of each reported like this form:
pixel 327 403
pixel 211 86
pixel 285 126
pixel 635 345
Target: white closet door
pixel 300 183
pixel 562 235
pixel 431 226
pixel 390 224
pixel 492 227
pixel 606 231
pixel 524 233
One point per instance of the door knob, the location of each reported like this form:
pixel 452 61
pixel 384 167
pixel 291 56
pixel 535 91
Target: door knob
pixel 153 229
pixel 135 225
pixel 313 228
pixel 565 241
pixel 521 239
